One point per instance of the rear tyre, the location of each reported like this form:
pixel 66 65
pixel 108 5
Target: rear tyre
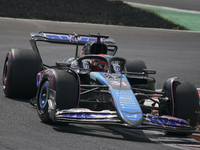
pixel 135 65
pixel 19 74
pixel 65 85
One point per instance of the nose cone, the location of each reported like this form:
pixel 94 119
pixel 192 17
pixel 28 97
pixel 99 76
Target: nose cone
pixel 127 107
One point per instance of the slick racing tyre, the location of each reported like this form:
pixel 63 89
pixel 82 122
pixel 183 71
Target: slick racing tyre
pixel 66 87
pixel 19 73
pixel 186 104
pixel 186 99
pixel 135 65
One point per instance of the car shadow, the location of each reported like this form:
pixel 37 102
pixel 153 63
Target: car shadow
pixel 103 131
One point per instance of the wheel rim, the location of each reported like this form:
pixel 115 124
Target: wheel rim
pixel 5 75
pixel 43 96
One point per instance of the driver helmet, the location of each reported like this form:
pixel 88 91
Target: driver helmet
pixel 98 65
pixel 95 64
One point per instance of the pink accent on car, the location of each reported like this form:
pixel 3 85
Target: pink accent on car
pixel 9 54
pixel 170 117
pixel 5 75
pixel 52 86
pixel 48 73
pixel 198 89
pixel 172 81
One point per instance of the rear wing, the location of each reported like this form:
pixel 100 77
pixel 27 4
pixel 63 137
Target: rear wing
pixel 74 39
pixel 69 38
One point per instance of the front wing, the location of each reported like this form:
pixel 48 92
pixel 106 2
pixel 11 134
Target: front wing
pixel 107 117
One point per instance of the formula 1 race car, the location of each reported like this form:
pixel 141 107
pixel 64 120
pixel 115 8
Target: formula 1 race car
pixel 97 87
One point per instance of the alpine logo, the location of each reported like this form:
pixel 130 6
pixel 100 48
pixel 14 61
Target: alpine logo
pixel 132 116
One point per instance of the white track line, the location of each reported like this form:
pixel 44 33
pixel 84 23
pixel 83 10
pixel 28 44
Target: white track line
pixel 164 7
pixel 103 25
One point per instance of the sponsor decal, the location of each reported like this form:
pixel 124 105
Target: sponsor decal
pixel 117 69
pixel 122 93
pixel 87 115
pixel 132 116
pixel 127 102
pixel 118 83
pixel 38 79
pixel 71 37
pixel 124 98
pixel 86 66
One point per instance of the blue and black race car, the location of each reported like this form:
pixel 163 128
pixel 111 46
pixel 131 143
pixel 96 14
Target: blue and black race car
pixel 97 87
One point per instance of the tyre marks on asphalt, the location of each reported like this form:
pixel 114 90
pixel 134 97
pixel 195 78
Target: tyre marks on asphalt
pixel 189 147
pixel 191 142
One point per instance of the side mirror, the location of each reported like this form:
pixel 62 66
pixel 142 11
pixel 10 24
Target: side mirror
pixel 149 71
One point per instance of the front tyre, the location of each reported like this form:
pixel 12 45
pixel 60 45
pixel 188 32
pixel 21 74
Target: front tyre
pixel 66 86
pixel 186 104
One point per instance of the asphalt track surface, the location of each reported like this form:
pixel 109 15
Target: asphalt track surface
pixel 171 53
pixel 180 4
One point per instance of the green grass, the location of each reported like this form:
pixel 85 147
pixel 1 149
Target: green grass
pixel 189 20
